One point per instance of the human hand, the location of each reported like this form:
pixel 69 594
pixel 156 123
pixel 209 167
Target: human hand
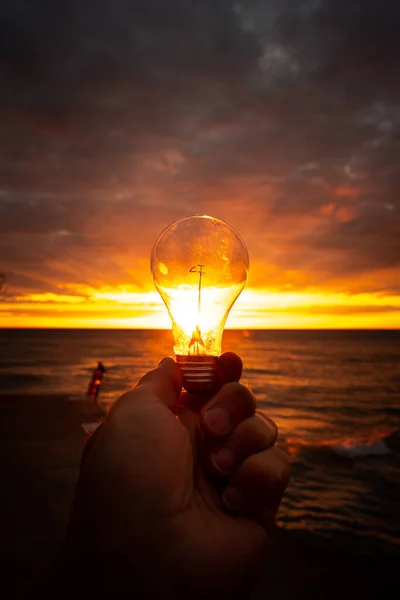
pixel 176 497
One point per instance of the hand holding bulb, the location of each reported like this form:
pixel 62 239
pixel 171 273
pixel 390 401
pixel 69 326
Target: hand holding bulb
pixel 176 499
pixel 199 266
pixel 173 501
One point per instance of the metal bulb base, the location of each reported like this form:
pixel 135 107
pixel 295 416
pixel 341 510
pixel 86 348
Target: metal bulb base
pixel 199 373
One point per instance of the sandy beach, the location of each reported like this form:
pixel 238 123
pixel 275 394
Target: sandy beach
pixel 41 441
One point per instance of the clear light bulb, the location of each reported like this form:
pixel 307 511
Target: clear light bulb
pixel 199 267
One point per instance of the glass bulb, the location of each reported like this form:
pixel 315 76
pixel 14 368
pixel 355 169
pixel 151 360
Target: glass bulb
pixel 199 266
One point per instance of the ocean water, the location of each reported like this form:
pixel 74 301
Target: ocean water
pixel 335 396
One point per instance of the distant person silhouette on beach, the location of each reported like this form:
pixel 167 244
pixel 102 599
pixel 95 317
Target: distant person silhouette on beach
pixel 177 494
pixel 95 382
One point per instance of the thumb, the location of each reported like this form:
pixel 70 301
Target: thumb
pixel 164 383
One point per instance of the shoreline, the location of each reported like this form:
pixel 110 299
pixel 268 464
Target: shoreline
pixel 41 441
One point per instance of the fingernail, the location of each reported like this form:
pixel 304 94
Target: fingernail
pixel 224 460
pixel 232 498
pixel 217 419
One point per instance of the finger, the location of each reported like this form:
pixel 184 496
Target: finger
pixel 163 384
pixel 230 367
pixel 255 434
pixel 233 403
pixel 260 482
pixel 165 381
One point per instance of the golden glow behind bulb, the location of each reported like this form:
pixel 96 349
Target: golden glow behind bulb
pixel 199 266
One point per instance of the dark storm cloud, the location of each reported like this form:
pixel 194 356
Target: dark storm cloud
pixel 119 117
pixel 109 60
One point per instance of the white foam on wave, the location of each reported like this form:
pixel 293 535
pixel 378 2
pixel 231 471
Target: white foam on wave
pixel 353 449
pixel 380 443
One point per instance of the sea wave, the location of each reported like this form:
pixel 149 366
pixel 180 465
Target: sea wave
pixel 14 382
pixel 380 442
pixel 353 448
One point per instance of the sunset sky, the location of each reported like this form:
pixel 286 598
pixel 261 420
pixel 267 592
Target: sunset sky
pixel 280 117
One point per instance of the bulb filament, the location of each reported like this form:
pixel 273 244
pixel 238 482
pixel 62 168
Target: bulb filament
pixel 196 345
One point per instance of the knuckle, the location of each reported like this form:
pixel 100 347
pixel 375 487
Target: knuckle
pixel 233 387
pixel 252 435
pixel 283 465
pixel 262 415
pixel 235 395
pixel 271 465
pixel 255 466
pixel 243 395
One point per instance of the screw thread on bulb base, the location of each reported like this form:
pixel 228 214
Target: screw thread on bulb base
pixel 199 373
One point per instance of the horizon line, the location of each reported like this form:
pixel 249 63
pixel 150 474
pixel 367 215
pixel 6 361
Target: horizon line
pixel 13 328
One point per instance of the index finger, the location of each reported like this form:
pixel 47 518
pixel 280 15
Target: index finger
pixel 230 367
